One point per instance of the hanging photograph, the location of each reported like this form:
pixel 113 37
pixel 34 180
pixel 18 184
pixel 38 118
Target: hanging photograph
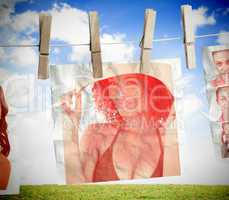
pixel 216 66
pixel 9 177
pixel 122 126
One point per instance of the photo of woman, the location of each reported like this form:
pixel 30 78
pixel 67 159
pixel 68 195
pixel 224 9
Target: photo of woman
pixel 217 78
pixel 221 61
pixel 223 102
pixel 130 145
pixel 120 127
pixel 222 94
pixel 5 166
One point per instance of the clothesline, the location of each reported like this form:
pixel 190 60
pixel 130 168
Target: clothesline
pixel 112 43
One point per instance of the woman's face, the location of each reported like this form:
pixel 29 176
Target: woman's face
pixel 127 96
pixel 223 97
pixel 226 128
pixel 223 101
pixel 221 60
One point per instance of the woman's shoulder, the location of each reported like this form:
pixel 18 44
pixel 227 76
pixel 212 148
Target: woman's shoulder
pixel 97 134
pixel 106 129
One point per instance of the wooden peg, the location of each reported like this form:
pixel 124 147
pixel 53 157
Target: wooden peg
pixel 45 31
pixel 225 151
pixel 147 39
pixel 189 36
pixel 95 45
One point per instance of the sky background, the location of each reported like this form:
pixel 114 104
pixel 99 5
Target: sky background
pixel 120 21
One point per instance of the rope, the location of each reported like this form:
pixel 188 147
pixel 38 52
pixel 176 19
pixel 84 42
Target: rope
pixel 110 43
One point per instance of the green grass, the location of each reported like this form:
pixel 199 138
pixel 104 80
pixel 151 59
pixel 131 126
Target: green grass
pixel 117 192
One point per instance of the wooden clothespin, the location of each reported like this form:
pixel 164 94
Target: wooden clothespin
pixel 147 39
pixel 189 36
pixel 224 150
pixel 45 31
pixel 95 45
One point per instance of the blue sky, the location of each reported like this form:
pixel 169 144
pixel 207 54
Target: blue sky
pixel 119 21
pixel 128 18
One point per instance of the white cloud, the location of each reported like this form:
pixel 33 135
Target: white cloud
pixel 12 26
pixel 110 53
pixel 80 54
pixel 191 104
pixel 2 53
pixel 186 81
pixel 6 8
pixel 27 21
pixel 183 83
pixel 223 38
pixel 116 52
pixel 4 75
pixel 201 18
pixel 56 50
pixel 69 24
pixel 23 58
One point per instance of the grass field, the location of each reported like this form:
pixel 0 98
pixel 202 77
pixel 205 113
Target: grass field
pixel 117 192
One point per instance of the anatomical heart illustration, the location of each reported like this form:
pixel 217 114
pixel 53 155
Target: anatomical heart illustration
pixel 216 64
pixel 119 127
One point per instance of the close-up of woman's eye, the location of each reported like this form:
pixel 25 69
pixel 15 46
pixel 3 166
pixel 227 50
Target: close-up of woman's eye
pixel 223 99
pixel 219 64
